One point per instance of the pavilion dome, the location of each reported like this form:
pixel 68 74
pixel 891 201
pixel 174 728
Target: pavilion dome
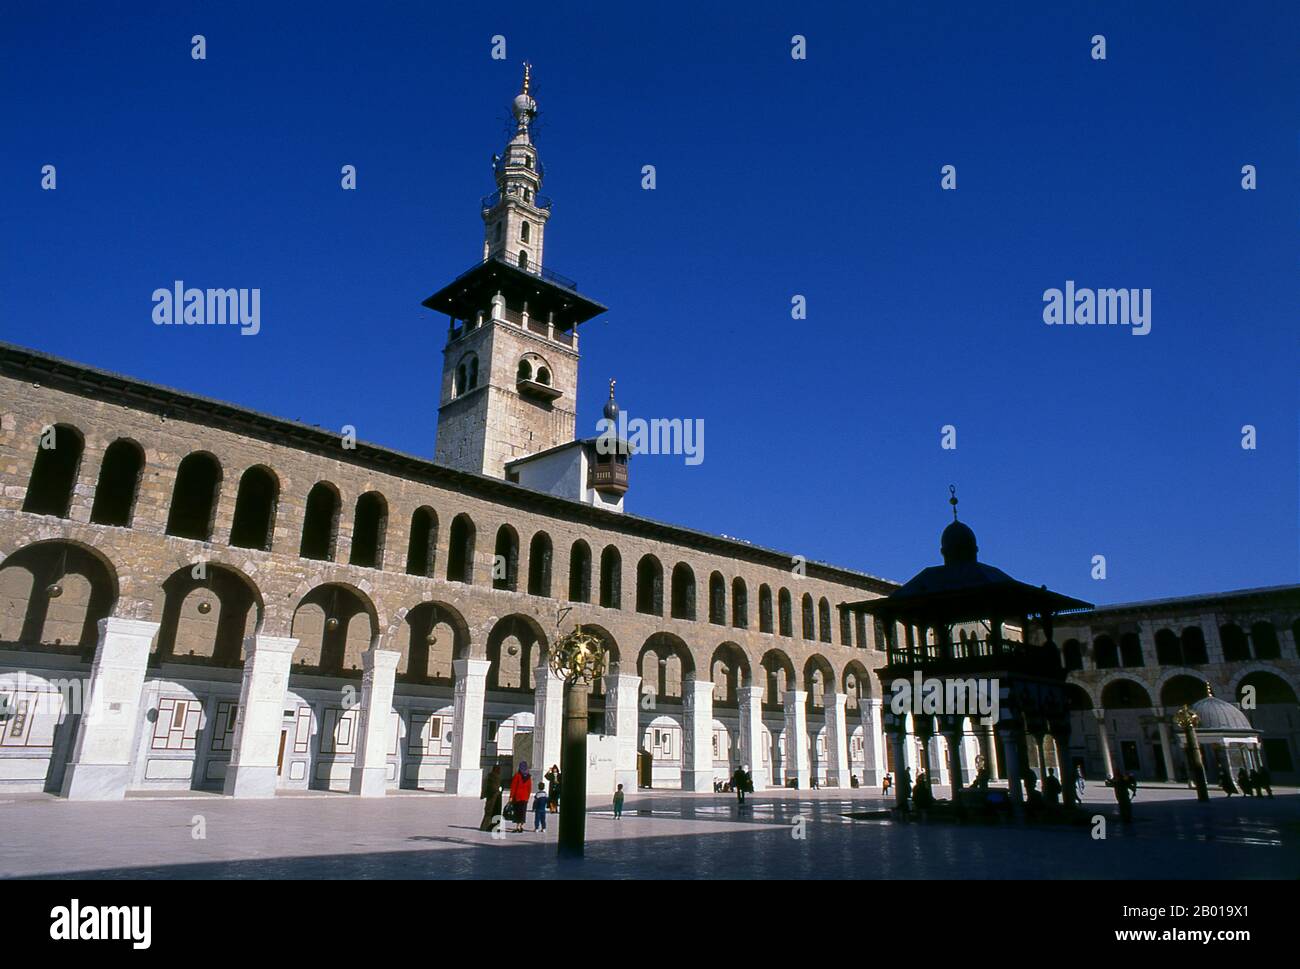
pixel 1216 714
pixel 958 544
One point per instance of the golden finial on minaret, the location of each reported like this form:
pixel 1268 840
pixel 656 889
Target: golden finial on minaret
pixel 528 72
pixel 612 381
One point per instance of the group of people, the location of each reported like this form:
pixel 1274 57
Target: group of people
pixel 1255 781
pixel 544 800
pixel 520 791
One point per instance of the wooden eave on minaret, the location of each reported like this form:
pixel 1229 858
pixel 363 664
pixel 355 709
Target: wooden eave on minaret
pixel 545 292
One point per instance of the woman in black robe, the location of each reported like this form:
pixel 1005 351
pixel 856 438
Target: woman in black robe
pixel 492 796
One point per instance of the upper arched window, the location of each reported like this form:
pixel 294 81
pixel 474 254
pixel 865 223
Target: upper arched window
pixel 683 600
pixel 611 578
pixel 255 506
pixel 119 483
pixel 369 528
pixel 320 524
pixel 739 604
pixel 194 498
pixel 54 473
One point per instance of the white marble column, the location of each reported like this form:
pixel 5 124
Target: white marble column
pixel 751 734
pixel 370 765
pixel 622 697
pixel 797 763
pixel 465 775
pixel 100 766
pixel 873 747
pixel 548 719
pixel 697 735
pixel 1166 743
pixel 252 771
pixel 837 743
pixel 1103 735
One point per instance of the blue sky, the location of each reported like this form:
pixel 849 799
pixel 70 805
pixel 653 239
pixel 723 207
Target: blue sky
pixel 775 177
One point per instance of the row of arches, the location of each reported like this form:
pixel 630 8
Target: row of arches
pixel 197 490
pixel 1126 693
pixel 54 593
pixel 1187 648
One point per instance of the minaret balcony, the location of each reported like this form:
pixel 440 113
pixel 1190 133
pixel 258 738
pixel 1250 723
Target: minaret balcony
pixel 537 391
pixel 542 202
pixel 607 477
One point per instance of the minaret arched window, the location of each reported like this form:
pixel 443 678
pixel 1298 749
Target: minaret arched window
pixel 525 228
pixel 523 258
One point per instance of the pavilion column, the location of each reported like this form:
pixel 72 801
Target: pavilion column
pixel 370 765
pixel 938 760
pixel 902 791
pixel 465 775
pixel 837 745
pixel 697 736
pixel 1013 735
pixel 954 738
pixel 100 766
pixel 1103 735
pixel 622 699
pixel 796 738
pixel 873 754
pixel 1166 743
pixel 548 718
pixel 1040 753
pixel 252 771
pixel 751 734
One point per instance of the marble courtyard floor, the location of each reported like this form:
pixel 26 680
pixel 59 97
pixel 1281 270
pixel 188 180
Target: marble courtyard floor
pixel 663 834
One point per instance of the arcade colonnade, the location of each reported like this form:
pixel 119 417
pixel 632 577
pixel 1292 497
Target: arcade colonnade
pixel 102 761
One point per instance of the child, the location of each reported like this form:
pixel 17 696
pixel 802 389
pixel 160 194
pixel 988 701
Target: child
pixel 618 802
pixel 539 808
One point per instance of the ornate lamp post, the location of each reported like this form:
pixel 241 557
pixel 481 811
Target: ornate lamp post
pixel 578 658
pixel 1186 720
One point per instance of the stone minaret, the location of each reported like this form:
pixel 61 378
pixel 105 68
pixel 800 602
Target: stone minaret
pixel 510 365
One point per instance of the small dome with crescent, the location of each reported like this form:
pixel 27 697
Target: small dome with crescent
pixel 957 544
pixel 1216 714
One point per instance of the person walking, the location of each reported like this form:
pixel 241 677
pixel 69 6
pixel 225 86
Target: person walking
pixel 1243 780
pixel 556 782
pixel 1265 780
pixel 1225 782
pixel 738 784
pixel 1051 787
pixel 1123 797
pixel 1079 785
pixel 491 796
pixel 521 788
pixel 618 803
pixel 886 784
pixel 1255 784
pixel 539 807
